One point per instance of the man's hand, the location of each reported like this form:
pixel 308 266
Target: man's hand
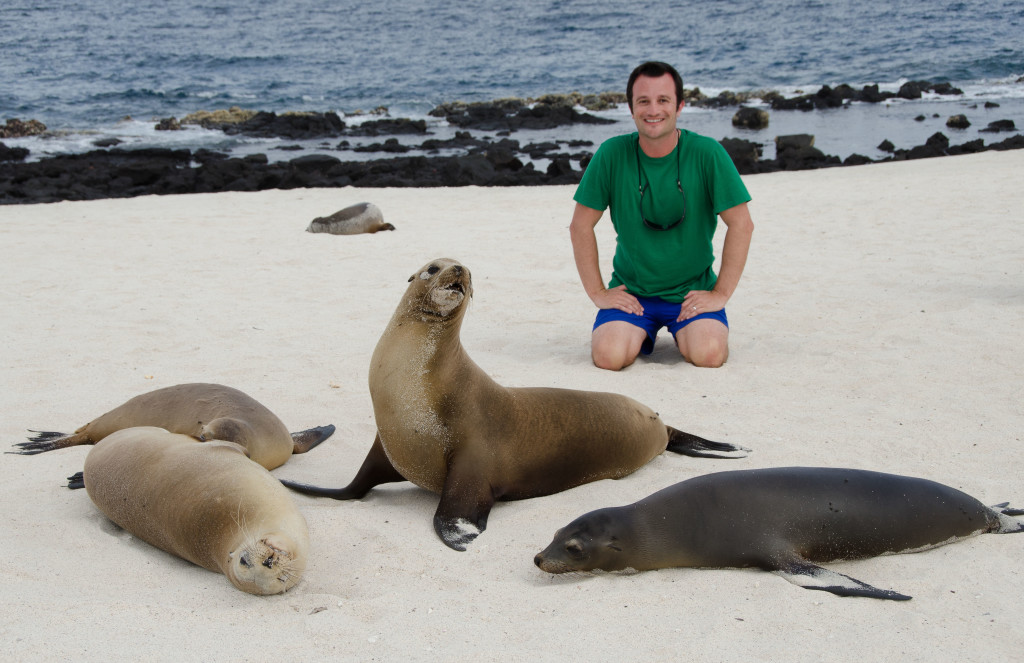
pixel 701 301
pixel 617 297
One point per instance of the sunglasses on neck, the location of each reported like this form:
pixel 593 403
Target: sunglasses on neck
pixel 641 176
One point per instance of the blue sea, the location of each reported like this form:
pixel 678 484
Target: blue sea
pixel 96 69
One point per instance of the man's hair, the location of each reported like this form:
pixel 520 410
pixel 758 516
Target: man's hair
pixel 654 69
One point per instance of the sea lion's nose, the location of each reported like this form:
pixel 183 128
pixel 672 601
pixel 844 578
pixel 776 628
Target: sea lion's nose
pixel 537 559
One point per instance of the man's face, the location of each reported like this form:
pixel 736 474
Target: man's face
pixel 655 106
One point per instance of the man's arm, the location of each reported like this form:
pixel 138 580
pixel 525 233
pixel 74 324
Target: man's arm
pixel 739 229
pixel 584 250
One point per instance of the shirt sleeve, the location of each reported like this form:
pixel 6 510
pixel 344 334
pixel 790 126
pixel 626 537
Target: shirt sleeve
pixel 594 190
pixel 727 188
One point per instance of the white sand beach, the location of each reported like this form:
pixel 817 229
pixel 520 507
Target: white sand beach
pixel 877 325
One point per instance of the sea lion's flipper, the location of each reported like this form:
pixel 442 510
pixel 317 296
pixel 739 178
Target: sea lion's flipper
pixel 307 439
pixel 76 481
pixel 811 576
pixel 1007 523
pixel 691 445
pixel 376 469
pixel 1008 510
pixel 44 441
pixel 466 501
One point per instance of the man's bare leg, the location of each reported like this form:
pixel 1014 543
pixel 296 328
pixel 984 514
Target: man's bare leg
pixel 616 344
pixel 704 343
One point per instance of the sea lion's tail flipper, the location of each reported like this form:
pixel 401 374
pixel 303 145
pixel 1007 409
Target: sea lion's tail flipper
pixel 307 439
pixel 317 491
pixel 1007 523
pixel 376 469
pixel 811 576
pixel 44 441
pixel 691 445
pixel 76 481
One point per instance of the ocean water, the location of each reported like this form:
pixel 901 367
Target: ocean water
pixel 83 66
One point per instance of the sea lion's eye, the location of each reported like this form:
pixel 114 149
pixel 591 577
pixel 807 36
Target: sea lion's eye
pixel 574 549
pixel 244 561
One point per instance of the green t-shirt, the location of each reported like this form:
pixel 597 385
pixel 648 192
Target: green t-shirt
pixel 662 263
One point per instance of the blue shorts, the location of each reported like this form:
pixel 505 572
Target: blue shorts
pixel 658 313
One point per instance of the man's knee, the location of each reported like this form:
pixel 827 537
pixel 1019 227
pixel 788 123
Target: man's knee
pixel 710 354
pixel 614 351
pixel 706 346
pixel 611 360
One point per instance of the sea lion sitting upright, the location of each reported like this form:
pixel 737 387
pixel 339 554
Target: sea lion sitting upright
pixel 206 503
pixel 778 519
pixel 445 425
pixel 203 411
pixel 353 220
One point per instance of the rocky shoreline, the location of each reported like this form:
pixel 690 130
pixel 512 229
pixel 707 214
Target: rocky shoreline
pixel 494 159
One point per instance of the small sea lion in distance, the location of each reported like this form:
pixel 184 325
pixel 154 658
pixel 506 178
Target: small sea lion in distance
pixel 353 220
pixel 445 425
pixel 206 503
pixel 203 411
pixel 779 519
